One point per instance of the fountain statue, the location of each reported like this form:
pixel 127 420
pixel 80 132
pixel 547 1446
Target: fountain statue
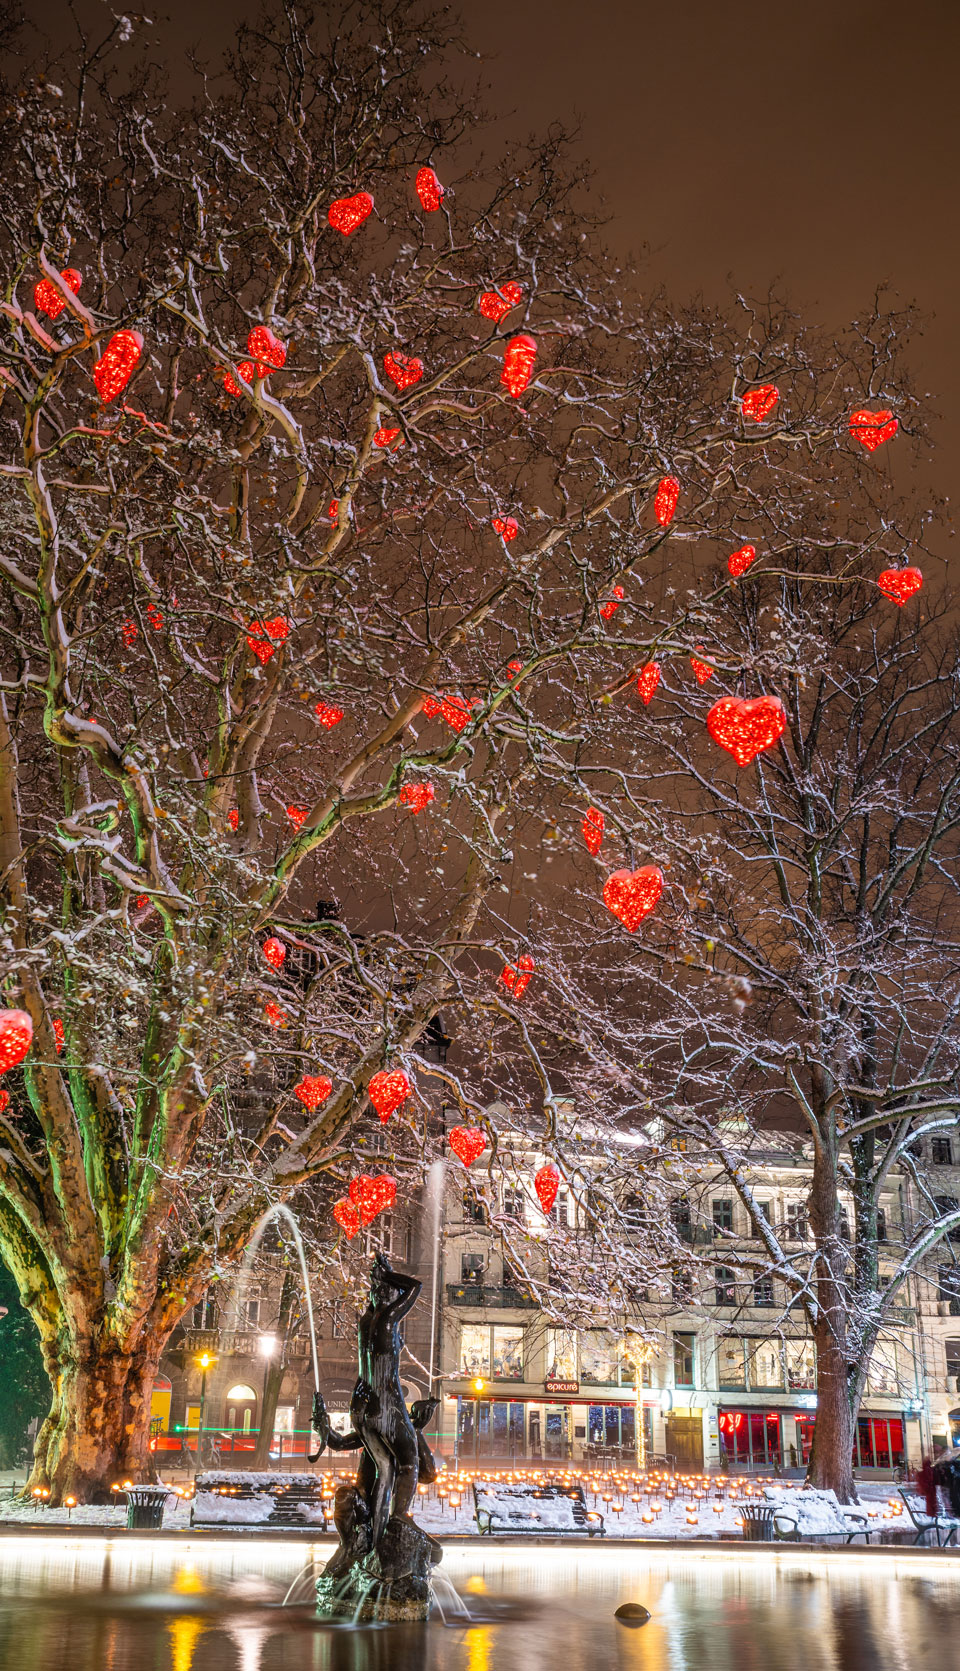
pixel 381 1570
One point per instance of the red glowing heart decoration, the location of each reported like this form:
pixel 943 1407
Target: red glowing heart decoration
pixel 518 365
pixel 264 636
pixel 871 429
pixel 117 364
pixel 665 500
pixel 758 404
pixel 456 712
pixel 347 1216
pixel 233 818
pixel 58 1033
pixel 632 894
pixel 746 728
pixel 273 1014
pixel 496 304
pixel 328 714
pixel 312 1090
pixel 467 1142
pixel 333 511
pixel 274 951
pixel 246 368
pixel 297 816
pixel 47 298
pixel 402 371
pixel 647 682
pixel 702 669
pixel 4 1100
pixel 386 437
pixel 592 827
pixel 513 668
pixel 345 214
pixel 546 1183
pixel 609 609
pixel 16 1037
pixel 517 979
pixel 269 353
pixel 371 1196
pixel 429 190
pixel 739 561
pixel 129 633
pixel 507 527
pixel 387 1091
pixel 416 796
pixel 900 584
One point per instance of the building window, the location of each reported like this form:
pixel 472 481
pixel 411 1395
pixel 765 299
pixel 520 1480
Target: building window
pixel 945 1205
pixel 797 1221
pixel 750 1438
pixel 941 1151
pixel 471 1268
pixel 731 1362
pixel 844 1224
pixel 475 1349
pixel 561 1355
pixel 560 1211
pixel 507 1355
pixel 801 1364
pixel 882 1381
pixel 682 1288
pixel 722 1210
pixel 879 1443
pixel 474 1208
pixel 598 1360
pixel 679 1144
pixel 204 1315
pixel 881 1225
pixel 950 1288
pixel 249 1313
pixel 680 1215
pixel 953 1356
pixel 683 1360
pixel 725 1290
pixel 766 1365
pixel 763 1291
pixel 339 1329
pixel 513 1201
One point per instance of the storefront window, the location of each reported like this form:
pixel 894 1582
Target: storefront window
pixel 598 1360
pixel 879 1443
pixel 561 1355
pixel 882 1374
pixel 474 1349
pixel 507 1352
pixel 802 1364
pixel 750 1438
pixel 766 1364
pixel 731 1362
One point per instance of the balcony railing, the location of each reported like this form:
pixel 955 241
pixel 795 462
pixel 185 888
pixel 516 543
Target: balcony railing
pixel 477 1293
pixel 240 1343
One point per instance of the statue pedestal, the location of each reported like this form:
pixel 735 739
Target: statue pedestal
pixel 389 1584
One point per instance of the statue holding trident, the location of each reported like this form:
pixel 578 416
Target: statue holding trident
pixel 382 1566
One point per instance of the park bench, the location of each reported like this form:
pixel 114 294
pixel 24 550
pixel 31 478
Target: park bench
pixel 807 1515
pixel 233 1498
pixel 539 1509
pixel 924 1522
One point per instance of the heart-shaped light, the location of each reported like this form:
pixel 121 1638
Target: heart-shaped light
pixel 702 669
pixel 274 951
pixel 416 796
pixel 246 368
pixel 758 404
pixel 347 1216
pixel 47 298
pixel 328 714
pixel 129 633
pixel 16 1037
pixel 738 562
pixel 546 1183
pixel 345 214
pixel 269 353
pixel 467 1142
pixel 274 1014
pixel 429 190
pixel 517 979
pixel 372 1195
pixel 496 304
pixel 312 1090
pixel 264 636
pixel 233 818
pixel 117 364
pixel 455 711
pixel 900 584
pixel 647 681
pixel 507 527
pixel 402 370
pixel 58 1034
pixel 385 437
pixel 665 500
pixel 4 1100
pixel 746 728
pixel 297 815
pixel 609 609
pixel 592 828
pixel 387 1090
pixel 871 429
pixel 518 364
pixel 513 668
pixel 333 511
pixel 632 894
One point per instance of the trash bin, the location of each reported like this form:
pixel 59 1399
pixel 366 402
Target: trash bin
pixel 757 1522
pixel 145 1506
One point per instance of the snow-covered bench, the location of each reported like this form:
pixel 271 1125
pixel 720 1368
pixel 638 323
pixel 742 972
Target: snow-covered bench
pixel 924 1522
pixel 550 1509
pixel 242 1498
pixel 805 1515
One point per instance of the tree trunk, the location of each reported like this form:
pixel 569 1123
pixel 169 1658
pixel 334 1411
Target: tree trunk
pixel 98 1430
pixel 831 1456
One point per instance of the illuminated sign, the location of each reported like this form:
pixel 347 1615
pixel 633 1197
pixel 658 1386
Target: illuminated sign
pixel 562 1386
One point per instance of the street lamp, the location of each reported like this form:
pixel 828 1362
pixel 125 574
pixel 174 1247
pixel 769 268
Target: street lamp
pixel 205 1361
pixel 478 1384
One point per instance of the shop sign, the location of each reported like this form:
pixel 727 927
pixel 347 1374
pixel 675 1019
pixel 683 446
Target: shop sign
pixel 562 1386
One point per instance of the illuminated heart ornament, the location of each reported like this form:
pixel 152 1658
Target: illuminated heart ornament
pixel 328 714
pixel 269 353
pixel 517 979
pixel 746 728
pixel 16 1037
pixel 333 511
pixel 900 584
pixel 647 681
pixel 507 527
pixel 246 368
pixel 592 827
pixel 496 304
pixel 58 1034
pixel 401 370
pixel 233 818
pixel 345 214
pixel 117 364
pixel 609 609
pixel 513 668
pixel 416 796
pixel 871 429
pixel 273 1014
pixel 47 298
pixel 372 1195
pixel 546 1183
pixel 738 562
pixel 385 437
pixel 4 1100
pixel 456 712
pixel 758 404
pixel 518 365
pixel 632 894
pixel 665 500
pixel 274 951
pixel 297 816
pixel 264 636
pixel 429 190
pixel 387 1090
pixel 702 669
pixel 312 1090
pixel 467 1143
pixel 347 1216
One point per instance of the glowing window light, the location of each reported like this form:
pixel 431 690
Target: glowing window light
pixel 518 365
pixel 429 190
pixel 47 298
pixel 345 214
pixel 117 364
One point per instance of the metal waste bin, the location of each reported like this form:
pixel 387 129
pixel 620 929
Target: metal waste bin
pixel 145 1506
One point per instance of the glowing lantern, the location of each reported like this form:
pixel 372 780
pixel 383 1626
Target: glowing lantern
pixel 233 818
pixel 246 368
pixel 757 404
pixel 47 298
pixel 632 894
pixel 516 980
pixel 297 815
pixel 739 561
pixel 345 214
pixel 592 827
pixel 416 796
pixel 496 304
pixel 312 1090
pixel 871 429
pixel 900 584
pixel 388 1090
pixel 273 1014
pixel 264 636
pixel 518 365
pixel 16 1037
pixel 467 1142
pixel 129 633
pixel 647 682
pixel 402 371
pixel 347 1216
pixel 702 669
pixel 385 437
pixel 429 190
pixel 274 951
pixel 269 353
pixel 546 1183
pixel 746 728
pixel 58 1033
pixel 665 500
pixel 372 1195
pixel 117 364
pixel 4 1100
pixel 328 715
pixel 507 527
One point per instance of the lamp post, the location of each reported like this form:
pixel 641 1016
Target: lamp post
pixel 205 1361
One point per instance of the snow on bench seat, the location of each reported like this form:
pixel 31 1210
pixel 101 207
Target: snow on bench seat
pixel 550 1509
pixel 234 1498
pixel 806 1514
